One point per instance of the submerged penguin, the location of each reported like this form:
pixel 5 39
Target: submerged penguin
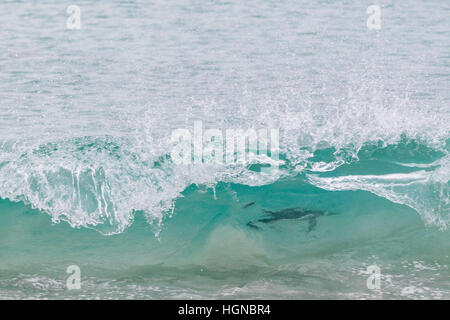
pixel 249 204
pixel 290 214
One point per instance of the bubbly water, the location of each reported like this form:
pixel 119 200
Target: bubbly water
pixel 87 178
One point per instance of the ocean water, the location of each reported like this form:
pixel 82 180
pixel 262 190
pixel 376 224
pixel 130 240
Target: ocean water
pixel 87 177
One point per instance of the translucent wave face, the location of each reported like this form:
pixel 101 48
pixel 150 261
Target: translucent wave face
pixel 100 182
pixel 90 182
pixel 426 192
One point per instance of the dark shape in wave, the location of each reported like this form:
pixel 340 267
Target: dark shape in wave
pixel 290 214
pixel 249 204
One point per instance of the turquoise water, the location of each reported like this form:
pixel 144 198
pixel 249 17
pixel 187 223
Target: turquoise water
pixel 87 178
